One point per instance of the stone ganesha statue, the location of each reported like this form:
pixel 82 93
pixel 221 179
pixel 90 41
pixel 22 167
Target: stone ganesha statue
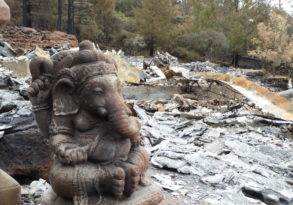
pixel 77 102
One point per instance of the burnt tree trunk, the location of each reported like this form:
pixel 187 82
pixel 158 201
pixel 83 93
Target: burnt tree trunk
pixel 71 16
pixel 26 18
pixel 151 46
pixel 235 60
pixel 59 19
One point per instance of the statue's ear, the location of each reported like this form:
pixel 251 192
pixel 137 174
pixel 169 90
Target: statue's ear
pixel 63 98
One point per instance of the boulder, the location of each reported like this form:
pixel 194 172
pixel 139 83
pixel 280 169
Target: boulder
pixel 9 190
pixel 24 152
pixel 4 13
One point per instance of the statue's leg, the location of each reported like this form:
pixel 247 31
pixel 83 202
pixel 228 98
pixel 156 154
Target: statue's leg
pixel 135 168
pixel 79 181
pixel 113 181
pixel 74 182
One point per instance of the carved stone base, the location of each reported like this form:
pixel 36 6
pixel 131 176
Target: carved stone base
pixel 149 195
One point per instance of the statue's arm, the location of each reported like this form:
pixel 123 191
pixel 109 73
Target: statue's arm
pixel 43 117
pixel 64 146
pixel 40 98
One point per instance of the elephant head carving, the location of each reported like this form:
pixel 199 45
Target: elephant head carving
pixel 88 79
pixel 92 83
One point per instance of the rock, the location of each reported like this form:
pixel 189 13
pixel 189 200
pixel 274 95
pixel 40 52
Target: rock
pixel 149 195
pixel 4 13
pixel 126 72
pixel 19 65
pixel 9 190
pixel 181 71
pixel 6 82
pixel 164 59
pixel 165 181
pixel 216 147
pixel 28 30
pixel 221 179
pixel 31 194
pixel 287 94
pixel 158 74
pixel 6 50
pixel 38 52
pixel 209 201
pixel 24 153
pixel 230 198
pixel 267 196
pixel 7 106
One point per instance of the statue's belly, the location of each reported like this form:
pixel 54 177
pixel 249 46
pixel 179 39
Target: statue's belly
pixel 105 146
pixel 107 150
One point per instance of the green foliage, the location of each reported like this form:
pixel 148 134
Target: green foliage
pixel 274 43
pixel 127 6
pixel 131 43
pixel 237 19
pixel 106 23
pixel 154 23
pixel 190 29
pixel 209 44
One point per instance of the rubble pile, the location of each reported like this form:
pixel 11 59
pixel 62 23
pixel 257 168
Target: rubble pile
pixel 32 193
pixel 27 38
pixel 209 143
pixel 215 152
pixel 22 148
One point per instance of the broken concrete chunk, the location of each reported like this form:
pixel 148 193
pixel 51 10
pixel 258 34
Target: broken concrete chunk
pixel 6 50
pixel 38 53
pixel 267 196
pixel 19 65
pixel 126 72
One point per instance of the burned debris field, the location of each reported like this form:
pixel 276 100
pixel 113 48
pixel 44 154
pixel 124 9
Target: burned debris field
pixel 208 142
pixel 146 102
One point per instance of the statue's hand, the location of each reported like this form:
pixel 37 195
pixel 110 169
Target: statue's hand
pixel 40 91
pixel 135 125
pixel 71 155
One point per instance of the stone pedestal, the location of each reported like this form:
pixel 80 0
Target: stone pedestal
pixel 149 195
pixel 9 190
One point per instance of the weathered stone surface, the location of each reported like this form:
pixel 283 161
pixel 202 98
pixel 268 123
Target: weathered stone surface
pixel 19 66
pixel 24 153
pixel 4 13
pixel 9 190
pixel 149 195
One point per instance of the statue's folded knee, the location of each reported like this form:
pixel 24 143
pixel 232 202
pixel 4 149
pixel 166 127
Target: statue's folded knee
pixel 70 181
pixel 61 179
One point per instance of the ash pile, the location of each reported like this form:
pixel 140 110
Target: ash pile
pixel 209 143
